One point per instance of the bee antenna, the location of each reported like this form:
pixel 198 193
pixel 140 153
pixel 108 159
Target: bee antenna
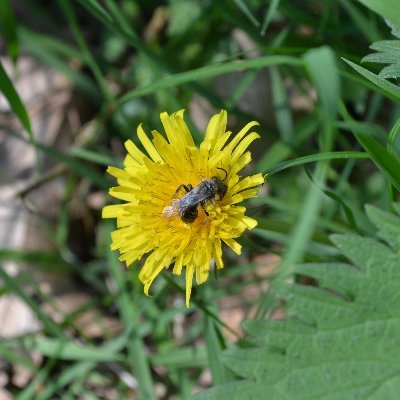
pixel 226 174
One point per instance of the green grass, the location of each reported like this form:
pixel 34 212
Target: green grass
pixel 329 123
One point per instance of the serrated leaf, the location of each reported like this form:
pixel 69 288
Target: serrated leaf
pixel 390 72
pixel 341 340
pixel 389 230
pixel 389 89
pixel 388 53
pixel 363 252
pixel 392 46
pixel 333 276
pixel 319 308
pixel 394 27
pixel 383 58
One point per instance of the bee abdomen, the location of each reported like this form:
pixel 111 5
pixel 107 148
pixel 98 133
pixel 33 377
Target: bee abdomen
pixel 189 215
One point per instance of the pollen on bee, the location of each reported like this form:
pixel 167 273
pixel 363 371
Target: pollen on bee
pixel 171 210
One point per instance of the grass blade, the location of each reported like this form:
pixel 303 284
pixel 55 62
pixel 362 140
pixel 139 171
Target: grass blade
pixel 268 16
pixel 13 285
pixel 383 159
pixel 283 113
pixel 321 65
pixel 8 89
pixel 332 155
pixel 389 89
pixel 247 12
pixel 209 71
pixel 218 370
pixel 130 313
pixel 7 21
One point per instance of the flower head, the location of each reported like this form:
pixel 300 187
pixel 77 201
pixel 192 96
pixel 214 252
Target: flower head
pixel 152 221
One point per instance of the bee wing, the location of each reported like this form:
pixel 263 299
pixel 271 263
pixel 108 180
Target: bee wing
pixel 196 196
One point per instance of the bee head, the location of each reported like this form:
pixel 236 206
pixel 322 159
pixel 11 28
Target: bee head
pixel 220 187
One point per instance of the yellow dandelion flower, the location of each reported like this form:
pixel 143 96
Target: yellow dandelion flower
pixel 152 186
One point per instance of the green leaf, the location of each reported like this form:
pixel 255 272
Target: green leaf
pixel 94 157
pixel 389 89
pixel 393 135
pixel 388 9
pixel 182 15
pixel 283 113
pixel 67 350
pixel 14 286
pixel 340 201
pixel 247 12
pixel 218 370
pixel 364 23
pixel 388 53
pixel 76 165
pixel 389 230
pixel 69 12
pixel 330 155
pixel 9 28
pixel 68 376
pixel 209 71
pixel 8 89
pixel 187 357
pixel 321 65
pixel 340 338
pixel 388 164
pixel 391 71
pixel 268 15
pixel 137 357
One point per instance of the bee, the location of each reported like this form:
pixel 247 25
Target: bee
pixel 187 206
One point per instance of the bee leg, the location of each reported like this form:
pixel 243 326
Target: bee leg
pixel 204 209
pixel 187 188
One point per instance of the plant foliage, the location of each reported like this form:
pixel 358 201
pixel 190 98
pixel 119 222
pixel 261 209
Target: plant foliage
pixel 341 339
pixel 387 52
pixel 120 64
